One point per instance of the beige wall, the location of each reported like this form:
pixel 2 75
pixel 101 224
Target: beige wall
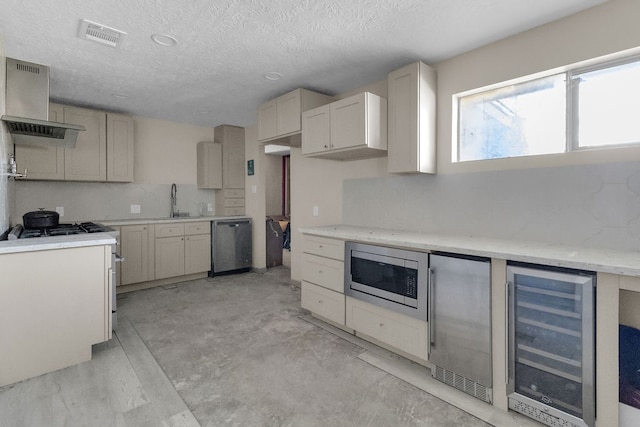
pixel 5 145
pixel 255 201
pixel 165 151
pixel 318 182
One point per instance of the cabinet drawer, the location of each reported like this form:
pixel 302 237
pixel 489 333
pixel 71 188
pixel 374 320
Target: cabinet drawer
pixel 323 302
pixel 325 272
pixel 397 330
pixel 233 211
pixel 234 192
pixel 329 248
pixel 233 203
pixel 201 227
pixel 169 230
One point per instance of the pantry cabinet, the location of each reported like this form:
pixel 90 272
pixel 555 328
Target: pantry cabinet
pixel 281 117
pixel 209 165
pixel 412 119
pixel 356 128
pixel 230 200
pixel 103 152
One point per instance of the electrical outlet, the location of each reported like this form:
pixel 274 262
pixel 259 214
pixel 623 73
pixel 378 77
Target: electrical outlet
pixel 210 207
pixel 315 211
pixel 135 209
pixel 60 210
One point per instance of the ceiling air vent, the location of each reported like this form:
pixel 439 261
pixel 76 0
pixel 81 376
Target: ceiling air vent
pixel 100 33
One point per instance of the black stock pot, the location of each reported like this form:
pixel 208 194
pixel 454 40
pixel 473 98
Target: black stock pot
pixel 40 219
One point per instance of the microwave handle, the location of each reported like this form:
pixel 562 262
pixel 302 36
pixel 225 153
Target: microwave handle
pixel 430 316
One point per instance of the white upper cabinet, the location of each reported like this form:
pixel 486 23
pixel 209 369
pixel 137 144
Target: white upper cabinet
pixel 412 119
pixel 87 161
pixel 103 152
pixel 119 148
pixel 209 166
pixel 356 128
pixel 281 117
pixel 316 136
pixel 42 162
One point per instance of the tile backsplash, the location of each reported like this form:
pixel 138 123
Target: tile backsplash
pixel 87 201
pixel 588 205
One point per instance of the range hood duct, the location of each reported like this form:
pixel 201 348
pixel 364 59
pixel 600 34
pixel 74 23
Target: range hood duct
pixel 27 108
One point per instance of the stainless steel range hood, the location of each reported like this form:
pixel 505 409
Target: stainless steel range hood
pixel 27 107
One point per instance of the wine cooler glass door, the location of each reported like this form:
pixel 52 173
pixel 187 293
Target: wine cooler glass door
pixel 552 344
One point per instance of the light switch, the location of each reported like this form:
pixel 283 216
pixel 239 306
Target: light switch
pixel 135 208
pixel 210 207
pixel 254 189
pixel 315 211
pixel 60 210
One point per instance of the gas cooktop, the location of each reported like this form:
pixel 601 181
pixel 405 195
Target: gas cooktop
pixel 62 230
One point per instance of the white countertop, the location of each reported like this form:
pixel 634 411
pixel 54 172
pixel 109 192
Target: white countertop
pixel 56 242
pixel 140 221
pixel 585 258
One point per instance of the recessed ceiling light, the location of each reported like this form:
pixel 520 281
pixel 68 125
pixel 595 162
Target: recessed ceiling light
pixel 120 95
pixel 164 40
pixel 272 75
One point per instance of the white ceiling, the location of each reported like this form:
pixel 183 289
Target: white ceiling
pixel 215 73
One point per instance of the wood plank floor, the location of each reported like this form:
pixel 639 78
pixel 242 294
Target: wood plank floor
pixel 116 388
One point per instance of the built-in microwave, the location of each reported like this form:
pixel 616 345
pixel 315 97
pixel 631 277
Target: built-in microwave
pixel 392 278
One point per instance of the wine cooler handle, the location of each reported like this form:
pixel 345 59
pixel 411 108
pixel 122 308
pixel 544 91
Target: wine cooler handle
pixel 507 311
pixel 430 317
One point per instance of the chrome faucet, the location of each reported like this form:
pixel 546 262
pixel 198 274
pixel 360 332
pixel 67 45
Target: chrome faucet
pixel 174 196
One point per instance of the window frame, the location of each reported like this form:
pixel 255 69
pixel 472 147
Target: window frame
pixel 571 74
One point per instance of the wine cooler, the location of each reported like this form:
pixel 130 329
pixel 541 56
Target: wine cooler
pixel 551 344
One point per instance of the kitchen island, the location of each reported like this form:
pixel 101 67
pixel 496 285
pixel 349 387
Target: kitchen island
pixel 55 302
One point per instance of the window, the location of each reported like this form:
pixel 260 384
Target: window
pixel 608 107
pixel 600 107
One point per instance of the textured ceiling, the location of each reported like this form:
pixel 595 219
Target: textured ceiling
pixel 215 73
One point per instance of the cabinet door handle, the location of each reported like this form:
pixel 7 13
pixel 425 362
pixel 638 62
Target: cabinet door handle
pixel 507 311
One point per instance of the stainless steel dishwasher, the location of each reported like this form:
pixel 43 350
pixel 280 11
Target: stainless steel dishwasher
pixel 230 246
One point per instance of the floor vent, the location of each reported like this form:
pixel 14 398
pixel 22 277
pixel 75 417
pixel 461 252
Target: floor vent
pixel 463 384
pixel 539 415
pixel 100 33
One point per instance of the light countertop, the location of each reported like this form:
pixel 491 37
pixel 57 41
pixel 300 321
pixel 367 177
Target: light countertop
pixel 584 258
pixel 140 221
pixel 56 242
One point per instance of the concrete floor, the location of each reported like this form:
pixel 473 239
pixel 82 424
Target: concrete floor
pixel 236 350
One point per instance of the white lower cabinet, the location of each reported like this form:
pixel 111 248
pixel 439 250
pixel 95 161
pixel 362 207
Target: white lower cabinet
pixel 323 302
pixel 323 278
pixel 325 272
pixel 197 253
pixel 397 330
pixel 182 248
